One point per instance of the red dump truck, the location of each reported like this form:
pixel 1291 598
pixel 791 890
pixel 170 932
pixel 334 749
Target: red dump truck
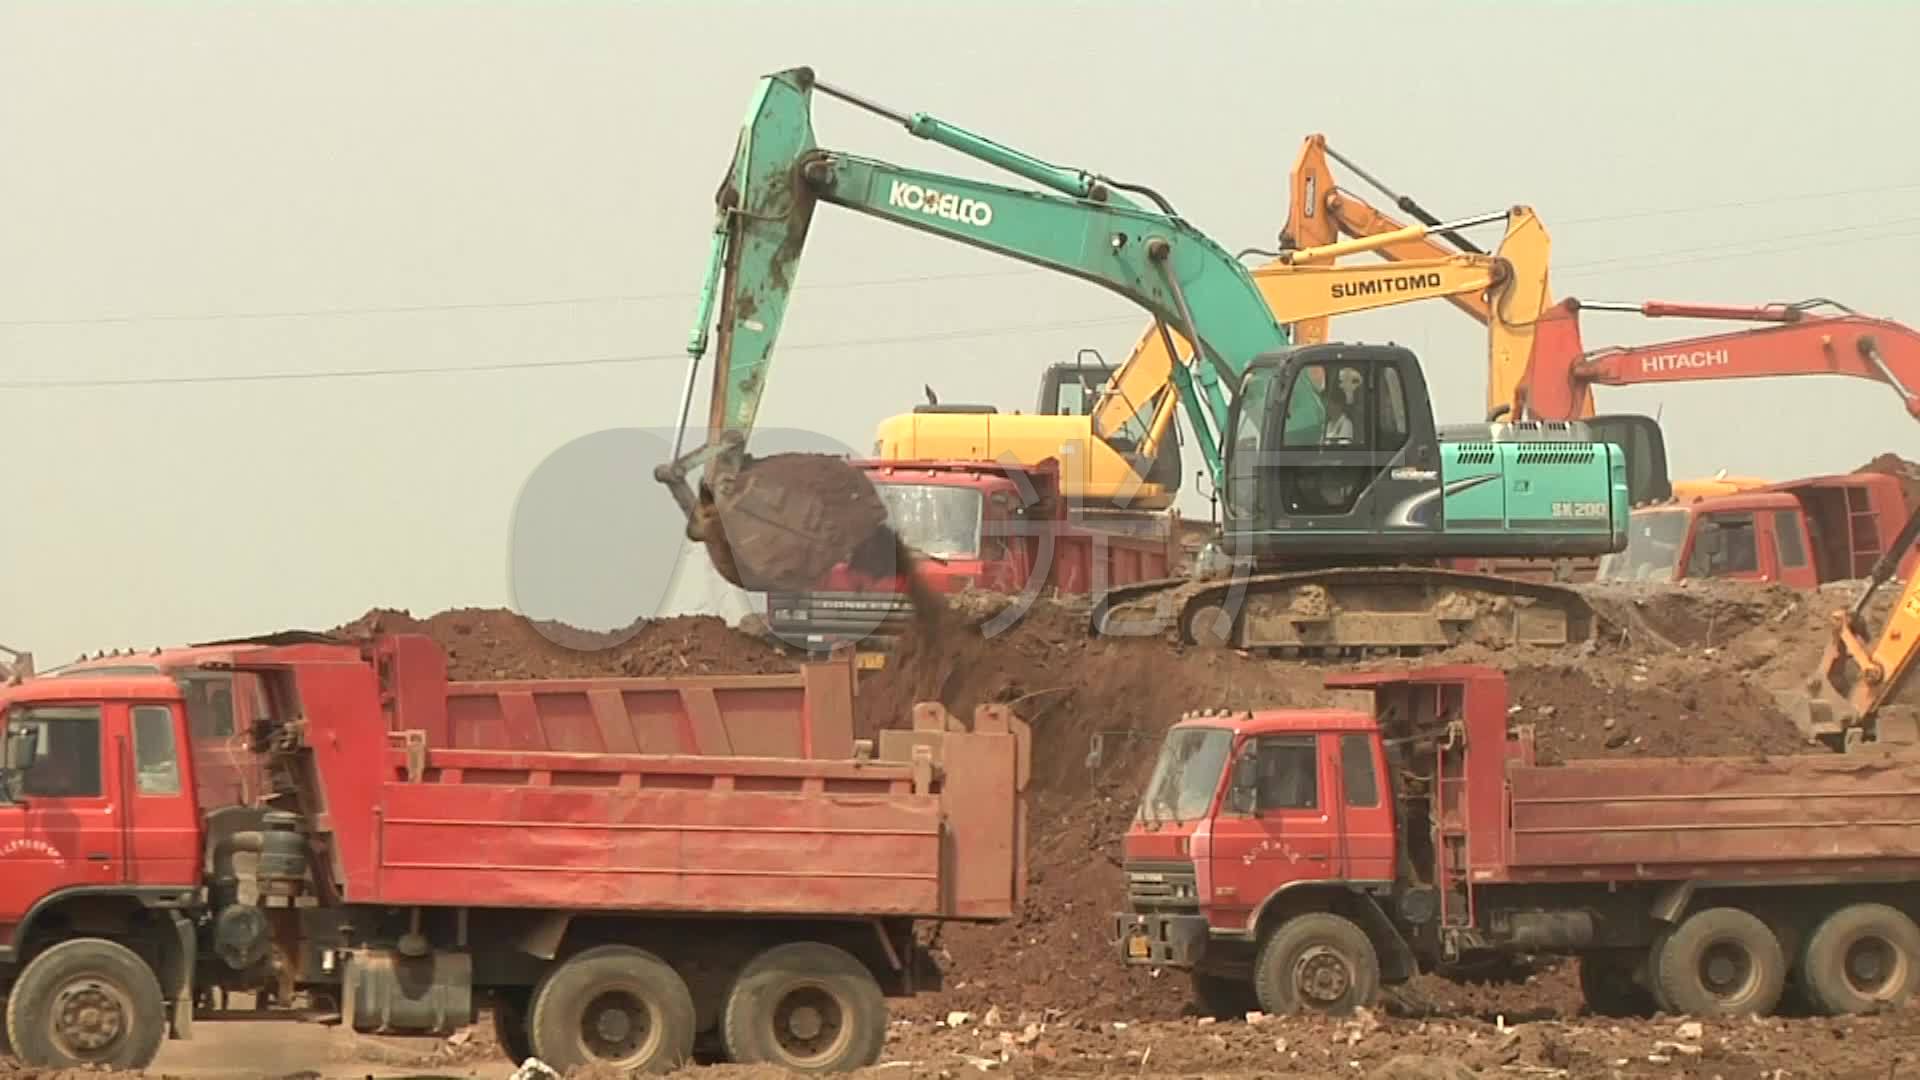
pixel 984 525
pixel 1801 533
pixel 1299 859
pixel 616 866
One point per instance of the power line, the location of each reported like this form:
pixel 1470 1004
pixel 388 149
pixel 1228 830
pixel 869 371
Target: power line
pixel 485 305
pixel 1653 260
pixel 527 365
pixel 1739 204
pixel 907 279
pixel 1820 238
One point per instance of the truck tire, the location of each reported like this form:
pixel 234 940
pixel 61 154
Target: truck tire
pixel 1224 998
pixel 614 1006
pixel 1721 962
pixel 510 1025
pixel 87 1001
pixel 1318 962
pixel 1609 986
pixel 805 1007
pixel 1859 958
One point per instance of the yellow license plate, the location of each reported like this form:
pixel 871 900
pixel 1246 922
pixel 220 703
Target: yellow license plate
pixel 870 661
pixel 1137 946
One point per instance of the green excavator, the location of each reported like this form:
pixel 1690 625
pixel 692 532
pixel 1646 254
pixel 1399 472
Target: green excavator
pixel 1340 496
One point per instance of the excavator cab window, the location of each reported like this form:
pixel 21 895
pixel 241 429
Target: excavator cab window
pixel 1343 417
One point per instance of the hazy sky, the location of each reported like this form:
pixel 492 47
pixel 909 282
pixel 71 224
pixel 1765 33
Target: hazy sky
pixel 255 189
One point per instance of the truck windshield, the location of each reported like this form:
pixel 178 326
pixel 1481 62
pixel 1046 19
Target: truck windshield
pixel 933 519
pixel 1187 775
pixel 1653 547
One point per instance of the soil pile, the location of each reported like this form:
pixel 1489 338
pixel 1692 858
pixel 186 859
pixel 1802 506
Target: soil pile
pixel 1680 672
pixel 1895 465
pixel 1099 707
pixel 489 643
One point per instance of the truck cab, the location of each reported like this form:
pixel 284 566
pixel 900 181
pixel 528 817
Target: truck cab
pixel 973 525
pixel 223 709
pixel 1244 807
pixel 1802 533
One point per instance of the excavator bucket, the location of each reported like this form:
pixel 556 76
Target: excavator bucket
pixel 1847 698
pixel 779 523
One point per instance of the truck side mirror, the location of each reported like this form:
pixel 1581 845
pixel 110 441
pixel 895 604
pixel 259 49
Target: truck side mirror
pixel 22 749
pixel 1243 785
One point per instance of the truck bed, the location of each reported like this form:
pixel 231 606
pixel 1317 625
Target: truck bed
pixel 805 714
pixel 1715 818
pixel 673 802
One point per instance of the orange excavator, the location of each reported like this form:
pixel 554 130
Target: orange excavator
pixel 1320 212
pixel 1812 337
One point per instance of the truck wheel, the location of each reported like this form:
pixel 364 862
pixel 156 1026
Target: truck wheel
pixel 806 1007
pixel 1317 962
pixel 1223 998
pixel 1608 984
pixel 1721 962
pixel 1859 958
pixel 615 1006
pixel 87 1002
pixel 510 1025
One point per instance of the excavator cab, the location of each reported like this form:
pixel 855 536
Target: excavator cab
pixel 1076 389
pixel 1339 440
pixel 1328 438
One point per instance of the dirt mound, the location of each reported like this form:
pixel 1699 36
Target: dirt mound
pixel 490 643
pixel 1576 716
pixel 1684 683
pixel 1891 464
pixel 1682 672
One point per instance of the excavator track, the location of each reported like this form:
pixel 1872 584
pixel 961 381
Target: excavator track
pixel 1403 611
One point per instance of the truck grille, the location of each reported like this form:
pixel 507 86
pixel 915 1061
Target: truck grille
pixel 1161 886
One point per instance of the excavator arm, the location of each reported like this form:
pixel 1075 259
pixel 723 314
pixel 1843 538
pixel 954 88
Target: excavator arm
pixel 783 528
pixel 1302 285
pixel 1860 672
pixel 1320 212
pixel 1795 341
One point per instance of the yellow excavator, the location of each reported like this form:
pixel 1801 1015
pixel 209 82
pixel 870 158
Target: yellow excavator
pixel 1320 212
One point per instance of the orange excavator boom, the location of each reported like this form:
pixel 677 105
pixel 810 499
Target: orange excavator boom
pixel 1320 212
pixel 1795 339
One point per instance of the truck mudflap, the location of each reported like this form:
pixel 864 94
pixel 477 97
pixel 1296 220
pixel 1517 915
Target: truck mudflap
pixel 1175 941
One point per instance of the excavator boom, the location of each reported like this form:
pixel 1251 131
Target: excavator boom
pixel 1320 211
pixel 783 535
pixel 1794 341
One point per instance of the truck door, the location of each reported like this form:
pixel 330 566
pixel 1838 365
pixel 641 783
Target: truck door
pixel 1289 834
pixel 1369 843
pixel 63 827
pixel 1787 536
pixel 162 818
pixel 1726 545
